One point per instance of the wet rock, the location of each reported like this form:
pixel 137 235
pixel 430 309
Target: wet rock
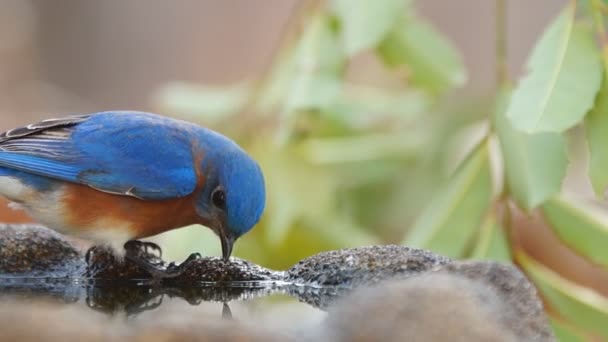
pixel 235 270
pixel 414 294
pixel 36 251
pixel 105 265
pixel 440 306
pixel 31 250
pixel 521 309
pixel 363 265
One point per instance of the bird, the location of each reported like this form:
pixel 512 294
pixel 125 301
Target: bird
pixel 115 177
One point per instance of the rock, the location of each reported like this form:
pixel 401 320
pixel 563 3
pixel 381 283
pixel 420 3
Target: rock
pixel 384 293
pixel 521 309
pixel 36 251
pixel 440 306
pixel 218 270
pixel 33 251
pixel 105 266
pixel 363 265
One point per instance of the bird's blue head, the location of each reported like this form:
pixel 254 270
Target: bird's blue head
pixel 233 197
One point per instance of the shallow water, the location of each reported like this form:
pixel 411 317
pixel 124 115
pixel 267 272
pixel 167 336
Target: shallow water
pixel 420 291
pixel 133 298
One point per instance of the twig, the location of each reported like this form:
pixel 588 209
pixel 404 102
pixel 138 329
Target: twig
pixel 598 20
pixel 297 20
pixel 502 71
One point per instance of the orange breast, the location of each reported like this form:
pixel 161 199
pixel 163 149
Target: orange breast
pixel 9 215
pixel 86 205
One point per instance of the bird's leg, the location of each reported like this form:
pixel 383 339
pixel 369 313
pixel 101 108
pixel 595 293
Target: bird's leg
pixel 136 252
pixel 144 247
pixel 88 257
pixel 226 312
pixel 177 270
pixel 99 258
pixel 156 272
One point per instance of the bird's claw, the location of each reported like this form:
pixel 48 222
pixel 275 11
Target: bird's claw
pixel 143 248
pixel 179 269
pixel 159 273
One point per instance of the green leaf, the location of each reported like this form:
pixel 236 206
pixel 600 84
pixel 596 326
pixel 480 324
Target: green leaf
pixel 361 106
pixel 565 332
pixel 432 62
pixel 299 190
pixel 580 305
pixel 359 148
pixel 596 125
pixel 584 229
pixel 492 241
pixel 535 164
pixel 454 214
pixel 365 23
pixel 564 75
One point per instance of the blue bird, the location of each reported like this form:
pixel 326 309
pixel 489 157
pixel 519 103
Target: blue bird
pixel 112 177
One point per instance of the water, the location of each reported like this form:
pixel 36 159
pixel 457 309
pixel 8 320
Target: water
pixel 234 300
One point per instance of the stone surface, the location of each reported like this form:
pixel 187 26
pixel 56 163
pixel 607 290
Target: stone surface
pixel 104 265
pixel 516 300
pixel 30 250
pixel 437 306
pixel 382 293
pixel 363 265
pixel 462 301
pixel 217 270
pixel 36 251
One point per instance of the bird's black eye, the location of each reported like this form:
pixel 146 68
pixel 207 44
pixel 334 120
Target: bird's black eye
pixel 218 198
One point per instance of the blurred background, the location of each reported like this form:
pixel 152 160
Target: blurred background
pixel 358 116
pixel 355 172
pixel 83 55
pixel 75 56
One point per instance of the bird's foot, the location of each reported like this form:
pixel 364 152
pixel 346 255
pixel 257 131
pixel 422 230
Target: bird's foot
pixel 226 312
pixel 178 270
pixel 98 259
pixel 143 248
pixel 138 253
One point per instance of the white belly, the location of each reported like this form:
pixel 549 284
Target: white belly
pixel 47 208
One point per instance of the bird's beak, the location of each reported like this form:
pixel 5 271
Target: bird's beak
pixel 227 244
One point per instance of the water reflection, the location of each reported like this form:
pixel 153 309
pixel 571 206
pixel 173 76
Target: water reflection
pixel 226 312
pixel 135 297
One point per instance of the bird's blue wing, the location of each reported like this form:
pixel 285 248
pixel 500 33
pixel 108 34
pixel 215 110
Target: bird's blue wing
pixel 135 154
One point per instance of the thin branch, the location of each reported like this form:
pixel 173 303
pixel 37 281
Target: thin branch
pixel 298 18
pixel 502 71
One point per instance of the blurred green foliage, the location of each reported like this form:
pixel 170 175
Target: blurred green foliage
pixel 346 164
pixel 355 163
